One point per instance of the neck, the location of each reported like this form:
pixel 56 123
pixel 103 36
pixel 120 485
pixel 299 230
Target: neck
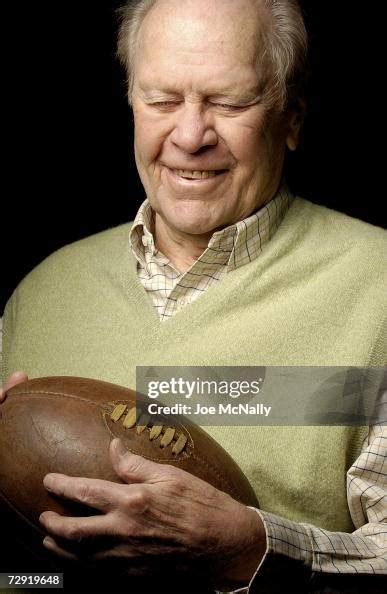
pixel 181 249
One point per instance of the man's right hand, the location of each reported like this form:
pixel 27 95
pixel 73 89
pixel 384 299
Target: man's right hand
pixel 14 379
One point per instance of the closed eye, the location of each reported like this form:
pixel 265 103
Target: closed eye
pixel 229 107
pixel 164 104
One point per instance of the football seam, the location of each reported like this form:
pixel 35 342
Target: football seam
pixel 70 396
pixel 101 407
pixel 220 476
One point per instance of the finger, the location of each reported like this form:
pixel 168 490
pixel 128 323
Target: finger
pixel 103 550
pixel 53 547
pixel 99 494
pixel 78 530
pixel 148 551
pixel 14 379
pixel 132 468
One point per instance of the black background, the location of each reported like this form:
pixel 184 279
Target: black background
pixel 67 130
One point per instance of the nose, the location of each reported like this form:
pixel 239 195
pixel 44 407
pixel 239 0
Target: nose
pixel 193 129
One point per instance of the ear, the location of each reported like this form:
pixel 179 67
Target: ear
pixel 295 120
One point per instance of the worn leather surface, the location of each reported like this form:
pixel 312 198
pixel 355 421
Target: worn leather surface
pixel 63 424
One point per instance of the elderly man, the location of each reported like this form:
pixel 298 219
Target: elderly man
pixel 222 266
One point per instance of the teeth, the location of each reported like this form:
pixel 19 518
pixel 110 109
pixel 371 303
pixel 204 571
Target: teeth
pixel 195 174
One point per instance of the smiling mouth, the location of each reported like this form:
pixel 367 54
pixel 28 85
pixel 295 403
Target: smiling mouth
pixel 198 175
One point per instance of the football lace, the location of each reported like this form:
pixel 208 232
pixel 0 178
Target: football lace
pixel 142 421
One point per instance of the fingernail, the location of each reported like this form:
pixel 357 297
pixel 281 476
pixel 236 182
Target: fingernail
pixel 47 541
pixel 41 518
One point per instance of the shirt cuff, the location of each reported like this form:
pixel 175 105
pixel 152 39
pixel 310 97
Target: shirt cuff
pixel 287 538
pixel 284 538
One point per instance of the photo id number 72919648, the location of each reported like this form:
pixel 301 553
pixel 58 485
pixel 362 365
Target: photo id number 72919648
pixel 31 580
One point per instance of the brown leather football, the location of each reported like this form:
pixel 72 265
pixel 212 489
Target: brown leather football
pixel 65 425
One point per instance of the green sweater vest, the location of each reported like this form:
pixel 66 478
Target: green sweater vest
pixel 315 296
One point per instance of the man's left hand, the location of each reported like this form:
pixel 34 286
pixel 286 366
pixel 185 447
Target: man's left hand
pixel 162 512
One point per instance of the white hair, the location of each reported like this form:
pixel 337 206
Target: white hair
pixel 285 42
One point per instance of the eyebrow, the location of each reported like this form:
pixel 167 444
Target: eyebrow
pixel 244 97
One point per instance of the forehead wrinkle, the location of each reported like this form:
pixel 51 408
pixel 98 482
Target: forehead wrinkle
pixel 209 70
pixel 204 28
pixel 199 49
pixel 219 13
pixel 194 38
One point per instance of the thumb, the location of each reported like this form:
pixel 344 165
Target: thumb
pixel 13 380
pixel 132 468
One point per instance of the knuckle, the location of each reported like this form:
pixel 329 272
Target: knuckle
pixel 74 533
pixel 83 493
pixel 126 501
pixel 142 496
pixel 177 481
pixel 176 489
pixel 137 500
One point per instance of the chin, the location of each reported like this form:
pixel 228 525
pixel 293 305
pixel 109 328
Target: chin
pixel 192 227
pixel 190 218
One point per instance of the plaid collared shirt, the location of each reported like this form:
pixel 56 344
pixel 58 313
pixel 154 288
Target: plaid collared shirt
pixel 228 249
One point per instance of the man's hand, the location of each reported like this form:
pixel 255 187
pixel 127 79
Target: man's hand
pixel 14 379
pixel 162 512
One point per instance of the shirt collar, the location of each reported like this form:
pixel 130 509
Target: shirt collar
pixel 232 246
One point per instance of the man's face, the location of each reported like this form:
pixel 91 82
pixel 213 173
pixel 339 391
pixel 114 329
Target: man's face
pixel 208 151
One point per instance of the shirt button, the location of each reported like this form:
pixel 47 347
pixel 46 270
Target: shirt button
pixel 145 241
